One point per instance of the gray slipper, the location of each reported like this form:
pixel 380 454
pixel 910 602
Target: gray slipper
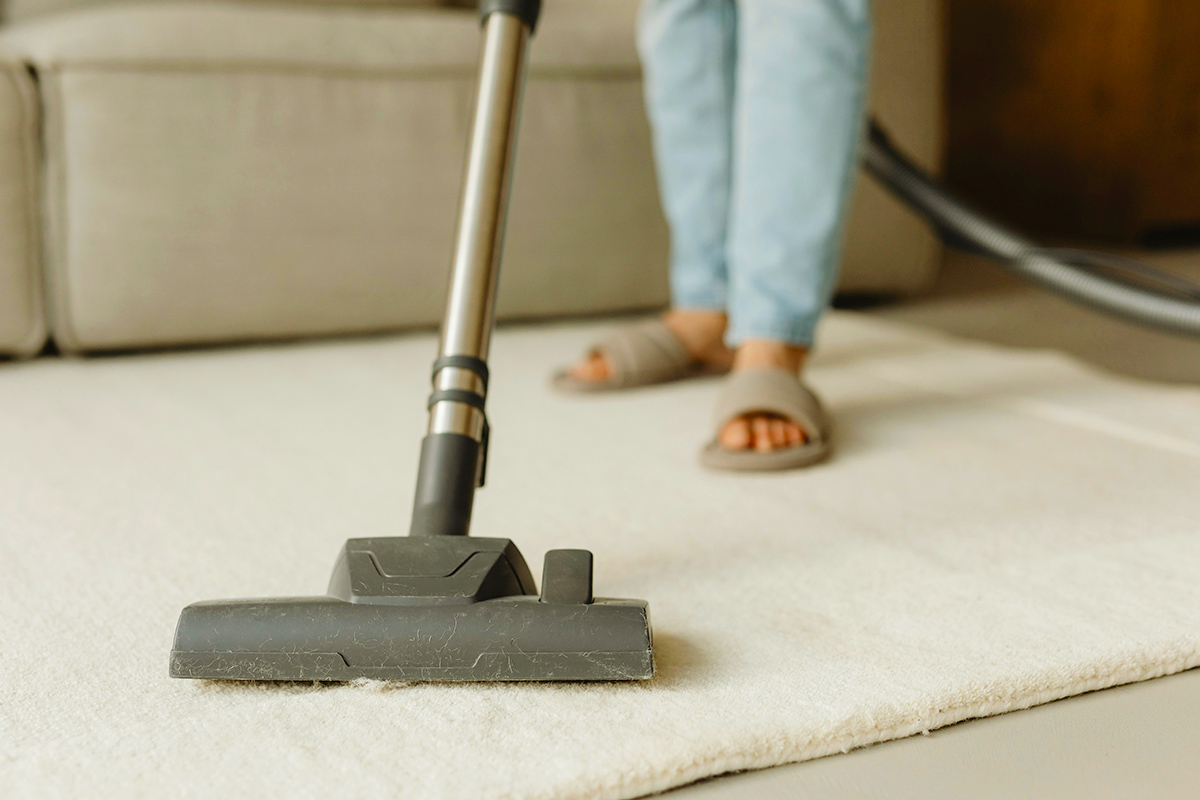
pixel 771 391
pixel 642 354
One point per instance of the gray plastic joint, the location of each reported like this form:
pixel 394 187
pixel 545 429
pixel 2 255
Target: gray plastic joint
pixel 526 10
pixel 450 469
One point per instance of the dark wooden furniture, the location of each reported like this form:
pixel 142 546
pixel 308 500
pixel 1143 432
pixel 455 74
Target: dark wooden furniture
pixel 1077 118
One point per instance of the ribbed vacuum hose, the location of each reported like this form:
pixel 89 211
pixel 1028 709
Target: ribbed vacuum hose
pixel 962 226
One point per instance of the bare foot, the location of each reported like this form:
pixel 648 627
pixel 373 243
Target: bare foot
pixel 764 432
pixel 701 332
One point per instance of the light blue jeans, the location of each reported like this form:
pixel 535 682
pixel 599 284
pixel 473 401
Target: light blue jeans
pixel 756 107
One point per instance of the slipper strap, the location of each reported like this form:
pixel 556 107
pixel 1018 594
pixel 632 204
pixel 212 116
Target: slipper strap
pixel 772 391
pixel 645 353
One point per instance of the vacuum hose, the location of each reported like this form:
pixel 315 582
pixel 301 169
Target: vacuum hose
pixel 1109 284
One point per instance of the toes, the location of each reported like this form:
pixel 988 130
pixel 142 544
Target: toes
pixel 594 368
pixel 735 435
pixel 761 432
pixel 761 427
pixel 600 368
pixel 778 432
pixel 795 436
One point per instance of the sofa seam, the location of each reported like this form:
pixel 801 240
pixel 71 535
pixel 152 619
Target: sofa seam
pixel 55 212
pixel 34 261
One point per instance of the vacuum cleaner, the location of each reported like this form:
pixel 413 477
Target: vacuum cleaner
pixel 440 605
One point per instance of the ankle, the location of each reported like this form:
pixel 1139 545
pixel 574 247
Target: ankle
pixel 761 353
pixel 702 331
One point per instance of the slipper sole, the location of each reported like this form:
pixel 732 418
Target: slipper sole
pixel 716 457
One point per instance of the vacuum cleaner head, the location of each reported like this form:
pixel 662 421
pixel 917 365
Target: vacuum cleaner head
pixel 442 608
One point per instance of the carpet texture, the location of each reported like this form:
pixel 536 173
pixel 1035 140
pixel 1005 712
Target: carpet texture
pixel 998 529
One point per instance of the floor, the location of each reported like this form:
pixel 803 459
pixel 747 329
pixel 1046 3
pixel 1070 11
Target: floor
pixel 975 299
pixel 1137 740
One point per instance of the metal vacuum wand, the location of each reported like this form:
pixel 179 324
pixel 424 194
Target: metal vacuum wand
pixel 454 451
pixel 438 605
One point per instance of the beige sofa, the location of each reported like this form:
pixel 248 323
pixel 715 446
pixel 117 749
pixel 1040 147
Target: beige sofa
pixel 190 172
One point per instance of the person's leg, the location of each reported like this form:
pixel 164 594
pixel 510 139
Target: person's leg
pixel 801 75
pixel 688 55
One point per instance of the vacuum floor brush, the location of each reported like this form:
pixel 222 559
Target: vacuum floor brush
pixel 439 605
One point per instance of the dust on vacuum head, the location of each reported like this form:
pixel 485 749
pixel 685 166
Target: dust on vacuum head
pixel 427 609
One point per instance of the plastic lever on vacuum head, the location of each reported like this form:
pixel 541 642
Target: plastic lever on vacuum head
pixel 567 577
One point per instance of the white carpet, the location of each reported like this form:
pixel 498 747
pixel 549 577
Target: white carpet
pixel 998 529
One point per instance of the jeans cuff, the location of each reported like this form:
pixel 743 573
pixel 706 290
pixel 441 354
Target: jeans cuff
pixel 707 300
pixel 800 333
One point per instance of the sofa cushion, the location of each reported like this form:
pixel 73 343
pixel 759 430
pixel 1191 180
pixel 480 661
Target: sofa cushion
pixel 22 322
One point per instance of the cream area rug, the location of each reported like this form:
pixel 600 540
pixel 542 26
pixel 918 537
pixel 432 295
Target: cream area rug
pixel 998 529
